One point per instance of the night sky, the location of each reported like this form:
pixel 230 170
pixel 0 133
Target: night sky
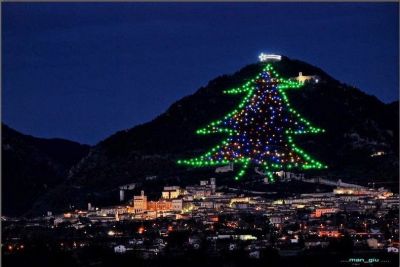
pixel 84 71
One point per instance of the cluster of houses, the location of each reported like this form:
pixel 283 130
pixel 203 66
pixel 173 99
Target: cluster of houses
pixel 305 221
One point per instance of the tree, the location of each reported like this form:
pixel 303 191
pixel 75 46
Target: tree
pixel 260 130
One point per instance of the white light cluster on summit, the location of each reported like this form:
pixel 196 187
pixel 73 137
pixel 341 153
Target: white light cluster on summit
pixel 266 57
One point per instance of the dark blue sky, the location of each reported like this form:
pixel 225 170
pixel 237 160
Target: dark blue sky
pixel 84 71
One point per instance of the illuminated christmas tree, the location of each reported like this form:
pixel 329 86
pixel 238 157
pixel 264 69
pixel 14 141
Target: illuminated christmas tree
pixel 260 131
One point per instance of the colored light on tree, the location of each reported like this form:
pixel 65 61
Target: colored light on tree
pixel 260 130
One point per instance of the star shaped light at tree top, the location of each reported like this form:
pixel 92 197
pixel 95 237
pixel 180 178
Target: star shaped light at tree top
pixel 260 130
pixel 265 57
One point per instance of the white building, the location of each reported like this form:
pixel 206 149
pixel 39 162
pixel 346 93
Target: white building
pixel 120 249
pixel 307 78
pixel 171 192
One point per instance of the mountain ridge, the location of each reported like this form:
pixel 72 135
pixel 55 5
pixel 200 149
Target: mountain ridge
pixel 356 124
pixel 32 166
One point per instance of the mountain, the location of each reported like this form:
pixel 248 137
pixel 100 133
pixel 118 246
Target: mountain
pixel 33 166
pixel 357 125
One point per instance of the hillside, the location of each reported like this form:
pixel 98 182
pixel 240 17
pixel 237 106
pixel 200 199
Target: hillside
pixel 357 125
pixel 33 166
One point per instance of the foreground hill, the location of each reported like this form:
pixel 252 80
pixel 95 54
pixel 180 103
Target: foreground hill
pixel 357 125
pixel 32 166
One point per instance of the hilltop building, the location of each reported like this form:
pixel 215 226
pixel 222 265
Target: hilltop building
pixel 307 78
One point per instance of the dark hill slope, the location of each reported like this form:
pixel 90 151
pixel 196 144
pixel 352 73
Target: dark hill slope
pixel 356 124
pixel 32 166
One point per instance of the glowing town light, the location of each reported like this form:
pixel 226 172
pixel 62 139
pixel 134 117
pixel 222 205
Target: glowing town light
pixel 265 57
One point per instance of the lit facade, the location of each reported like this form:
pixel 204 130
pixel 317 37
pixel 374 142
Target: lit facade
pixel 319 212
pixel 307 78
pixel 140 203
pixel 171 192
pixel 161 205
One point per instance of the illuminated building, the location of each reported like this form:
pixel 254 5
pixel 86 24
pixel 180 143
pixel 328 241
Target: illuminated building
pixel 120 249
pixel 329 233
pixel 161 205
pixel 319 212
pixel 171 192
pixel 205 189
pixel 309 78
pixel 140 203
pixel 240 200
pixel 380 193
pixel 378 153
